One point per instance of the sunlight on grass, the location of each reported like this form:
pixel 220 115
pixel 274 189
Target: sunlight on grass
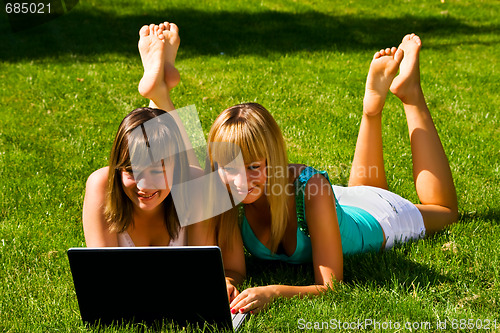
pixel 66 85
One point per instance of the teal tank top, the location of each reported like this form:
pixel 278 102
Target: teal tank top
pixel 359 231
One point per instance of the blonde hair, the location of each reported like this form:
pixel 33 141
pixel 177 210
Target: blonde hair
pixel 253 129
pixel 165 134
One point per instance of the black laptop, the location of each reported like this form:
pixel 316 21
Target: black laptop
pixel 152 285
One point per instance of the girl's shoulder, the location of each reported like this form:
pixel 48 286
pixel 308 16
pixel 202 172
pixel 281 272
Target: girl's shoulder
pixel 294 171
pixel 98 178
pixel 304 176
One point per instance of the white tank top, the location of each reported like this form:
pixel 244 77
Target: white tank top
pixel 124 239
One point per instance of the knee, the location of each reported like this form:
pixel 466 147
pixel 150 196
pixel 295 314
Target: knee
pixel 454 215
pixel 451 216
pixel 437 217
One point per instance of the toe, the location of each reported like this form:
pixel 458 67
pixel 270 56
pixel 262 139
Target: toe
pixel 157 30
pixel 144 31
pixel 406 38
pixel 398 55
pixel 174 28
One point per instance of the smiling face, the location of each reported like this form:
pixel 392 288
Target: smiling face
pixel 149 188
pixel 145 136
pixel 252 128
pixel 248 184
pixel 260 146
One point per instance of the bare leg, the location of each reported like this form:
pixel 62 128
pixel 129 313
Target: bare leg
pixel 431 170
pixel 158 47
pixel 368 163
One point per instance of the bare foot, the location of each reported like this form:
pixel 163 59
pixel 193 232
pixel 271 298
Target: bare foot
pixel 170 35
pixel 151 49
pixel 383 69
pixel 406 86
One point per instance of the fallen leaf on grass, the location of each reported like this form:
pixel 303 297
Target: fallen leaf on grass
pixel 450 246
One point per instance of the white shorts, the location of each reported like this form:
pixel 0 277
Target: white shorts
pixel 399 218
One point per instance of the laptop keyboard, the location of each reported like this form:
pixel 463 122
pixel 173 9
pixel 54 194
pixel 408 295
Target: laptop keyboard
pixel 238 319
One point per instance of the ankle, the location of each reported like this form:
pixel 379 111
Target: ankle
pixel 372 107
pixel 162 98
pixel 372 115
pixel 157 93
pixel 414 97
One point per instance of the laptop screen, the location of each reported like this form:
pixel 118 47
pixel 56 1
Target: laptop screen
pixel 150 285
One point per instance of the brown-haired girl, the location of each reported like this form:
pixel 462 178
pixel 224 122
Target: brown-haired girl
pixel 129 202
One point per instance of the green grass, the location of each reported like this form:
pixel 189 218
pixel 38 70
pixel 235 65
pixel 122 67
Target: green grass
pixel 65 85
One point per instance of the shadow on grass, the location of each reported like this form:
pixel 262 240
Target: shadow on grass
pixel 385 269
pixel 84 32
pixel 379 269
pixel 265 272
pixel 490 215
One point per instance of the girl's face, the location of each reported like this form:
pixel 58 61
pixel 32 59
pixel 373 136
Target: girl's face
pixel 148 190
pixel 246 185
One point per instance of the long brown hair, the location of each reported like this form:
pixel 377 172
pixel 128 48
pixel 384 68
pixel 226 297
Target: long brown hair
pixel 254 130
pixel 165 134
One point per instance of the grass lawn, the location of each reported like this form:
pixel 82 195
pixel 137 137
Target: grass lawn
pixel 66 85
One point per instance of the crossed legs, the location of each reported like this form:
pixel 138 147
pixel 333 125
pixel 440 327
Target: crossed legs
pixel 158 45
pixel 431 170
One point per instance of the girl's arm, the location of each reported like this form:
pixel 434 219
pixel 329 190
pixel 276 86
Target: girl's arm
pixel 95 227
pixel 324 231
pixel 234 265
pixel 201 234
pixel 323 225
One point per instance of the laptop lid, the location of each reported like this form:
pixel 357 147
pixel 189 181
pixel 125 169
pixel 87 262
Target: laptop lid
pixel 150 285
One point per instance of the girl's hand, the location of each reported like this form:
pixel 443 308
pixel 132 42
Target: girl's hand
pixel 232 292
pixel 253 299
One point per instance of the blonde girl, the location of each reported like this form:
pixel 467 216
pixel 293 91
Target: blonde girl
pixel 290 212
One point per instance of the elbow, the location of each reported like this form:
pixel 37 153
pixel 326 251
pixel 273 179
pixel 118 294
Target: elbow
pixel 335 280
pixel 234 276
pixel 339 274
pixel 329 284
